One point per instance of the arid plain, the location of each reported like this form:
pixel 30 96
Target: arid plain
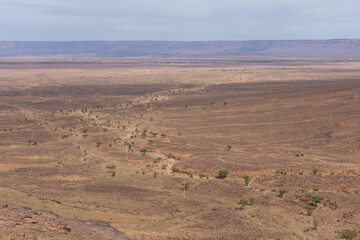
pixel 139 143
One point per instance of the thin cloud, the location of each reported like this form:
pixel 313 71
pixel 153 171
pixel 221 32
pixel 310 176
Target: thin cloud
pixel 178 20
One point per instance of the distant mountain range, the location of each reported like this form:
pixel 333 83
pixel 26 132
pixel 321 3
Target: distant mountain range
pixel 336 49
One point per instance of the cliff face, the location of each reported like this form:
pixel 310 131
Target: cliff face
pixel 342 48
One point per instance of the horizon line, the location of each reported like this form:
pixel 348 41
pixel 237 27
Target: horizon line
pixel 330 39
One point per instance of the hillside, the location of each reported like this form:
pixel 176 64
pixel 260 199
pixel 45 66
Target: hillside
pixel 335 49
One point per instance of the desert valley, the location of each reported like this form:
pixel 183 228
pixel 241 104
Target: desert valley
pixel 188 148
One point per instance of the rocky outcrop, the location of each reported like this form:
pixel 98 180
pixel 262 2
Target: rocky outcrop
pixel 24 223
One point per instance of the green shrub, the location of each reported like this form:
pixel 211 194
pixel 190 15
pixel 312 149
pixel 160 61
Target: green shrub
pixel 64 136
pixel 229 147
pixel 309 209
pixel 243 203
pixel 282 193
pixel 157 160
pixel 348 234
pixel 316 199
pixel 278 172
pixel 143 151
pixel 202 175
pixel 111 167
pixel 247 180
pixel 223 173
pixel 315 171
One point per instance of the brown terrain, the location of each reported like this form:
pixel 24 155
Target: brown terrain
pixel 103 149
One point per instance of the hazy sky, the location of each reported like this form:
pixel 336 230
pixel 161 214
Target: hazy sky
pixel 178 20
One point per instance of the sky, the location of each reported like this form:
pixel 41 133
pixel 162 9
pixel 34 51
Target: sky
pixel 180 20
